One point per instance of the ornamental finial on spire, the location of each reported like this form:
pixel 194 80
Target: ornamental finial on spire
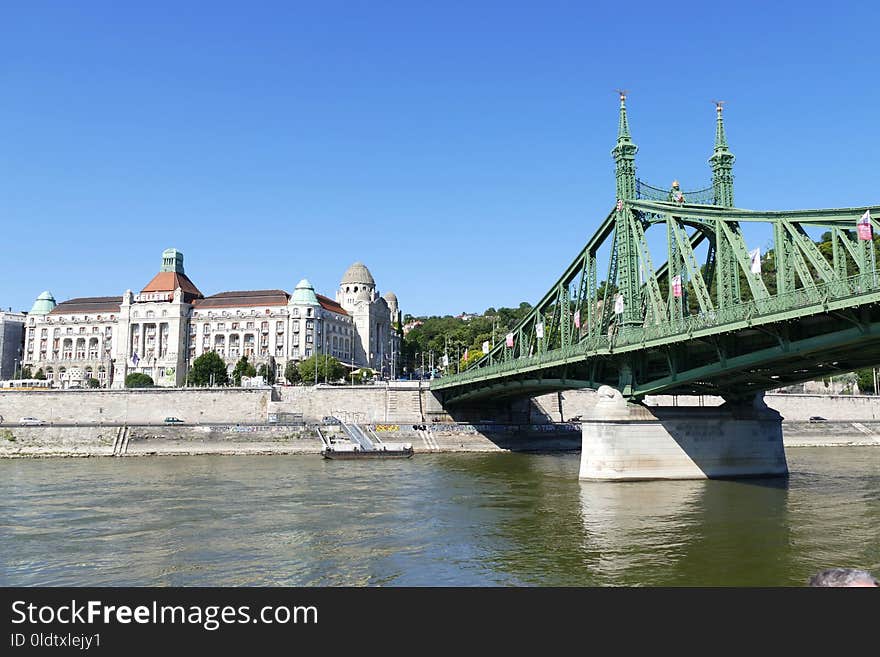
pixel 623 124
pixel 720 137
pixel 624 154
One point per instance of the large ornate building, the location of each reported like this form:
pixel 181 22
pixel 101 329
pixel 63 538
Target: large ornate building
pixel 163 328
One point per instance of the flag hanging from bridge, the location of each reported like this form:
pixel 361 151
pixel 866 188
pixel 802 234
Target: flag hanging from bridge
pixel 864 226
pixel 465 354
pixel 577 318
pixel 539 330
pixel 509 340
pixel 618 305
pixel 486 347
pixel 445 360
pixel 755 257
pixel 676 286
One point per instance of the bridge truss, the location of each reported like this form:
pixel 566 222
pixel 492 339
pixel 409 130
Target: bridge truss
pixel 713 317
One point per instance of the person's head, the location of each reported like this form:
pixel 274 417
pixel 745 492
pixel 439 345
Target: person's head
pixel 843 577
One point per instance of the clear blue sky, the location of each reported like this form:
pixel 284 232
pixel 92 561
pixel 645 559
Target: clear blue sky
pixel 459 149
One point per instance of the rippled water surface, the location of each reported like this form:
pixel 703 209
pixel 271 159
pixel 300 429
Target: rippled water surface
pixel 436 520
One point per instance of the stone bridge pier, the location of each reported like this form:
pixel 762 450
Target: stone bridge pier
pixel 627 441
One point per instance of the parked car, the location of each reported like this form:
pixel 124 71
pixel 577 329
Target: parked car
pixel 329 419
pixel 817 418
pixel 31 421
pixel 173 420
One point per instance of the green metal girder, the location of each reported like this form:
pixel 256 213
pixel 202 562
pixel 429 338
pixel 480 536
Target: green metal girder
pixel 840 217
pixel 734 239
pixel 729 321
pixel 657 307
pixel 739 364
pixel 690 262
pixel 810 250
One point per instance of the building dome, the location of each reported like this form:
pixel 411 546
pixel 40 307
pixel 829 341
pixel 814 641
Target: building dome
pixel 358 274
pixel 44 304
pixel 304 293
pixel 391 300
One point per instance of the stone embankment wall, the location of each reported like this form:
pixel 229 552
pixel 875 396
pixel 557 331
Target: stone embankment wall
pixel 221 421
pixel 155 440
pixel 793 407
pixel 136 406
pixel 400 402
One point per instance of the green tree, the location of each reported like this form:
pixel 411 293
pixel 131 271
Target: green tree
pixel 866 380
pixel 242 368
pixel 474 354
pixel 40 375
pixel 329 369
pixel 20 373
pixel 291 373
pixel 208 369
pixel 138 380
pixel 93 383
pixel 268 371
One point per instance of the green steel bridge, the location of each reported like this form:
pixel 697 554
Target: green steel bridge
pixel 712 317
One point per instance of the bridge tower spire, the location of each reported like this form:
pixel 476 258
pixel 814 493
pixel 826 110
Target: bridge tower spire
pixel 722 162
pixel 624 154
pixel 628 280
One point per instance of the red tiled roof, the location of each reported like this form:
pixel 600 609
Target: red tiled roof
pixel 87 305
pixel 329 304
pixel 243 298
pixel 168 281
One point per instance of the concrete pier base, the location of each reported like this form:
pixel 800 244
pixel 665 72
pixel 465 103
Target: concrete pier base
pixel 624 441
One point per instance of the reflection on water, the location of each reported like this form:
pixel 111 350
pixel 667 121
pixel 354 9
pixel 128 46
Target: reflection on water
pixel 445 519
pixel 638 527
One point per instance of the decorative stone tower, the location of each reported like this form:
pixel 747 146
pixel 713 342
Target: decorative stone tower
pixel 152 329
pixel 358 296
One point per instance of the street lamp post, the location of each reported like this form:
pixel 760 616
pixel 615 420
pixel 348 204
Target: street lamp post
pixel 315 343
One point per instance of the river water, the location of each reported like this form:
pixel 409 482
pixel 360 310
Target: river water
pixel 433 520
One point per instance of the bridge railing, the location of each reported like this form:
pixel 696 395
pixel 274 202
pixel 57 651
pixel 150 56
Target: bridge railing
pixel 821 293
pixel 650 193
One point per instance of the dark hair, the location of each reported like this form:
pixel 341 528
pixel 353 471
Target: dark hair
pixel 843 577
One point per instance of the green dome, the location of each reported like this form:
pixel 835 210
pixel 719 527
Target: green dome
pixel 44 304
pixel 304 293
